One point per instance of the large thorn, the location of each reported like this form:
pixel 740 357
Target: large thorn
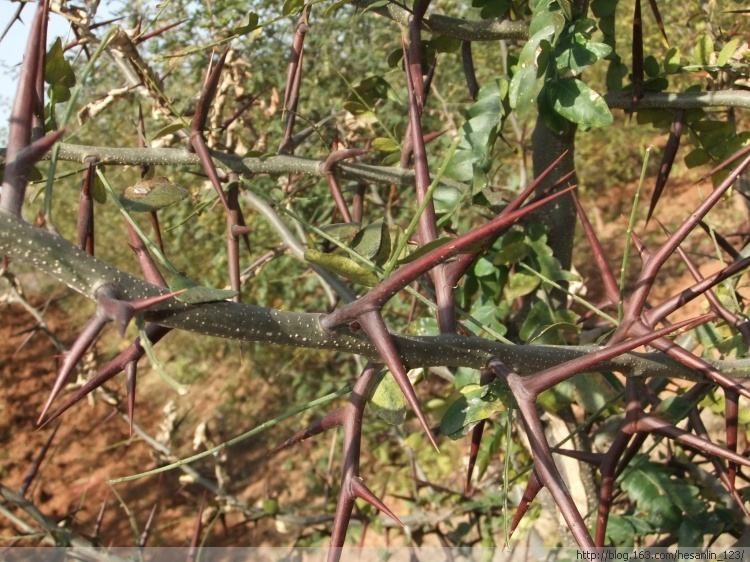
pixel 376 330
pixel 132 353
pixel 83 342
pixel 361 491
pixel 317 427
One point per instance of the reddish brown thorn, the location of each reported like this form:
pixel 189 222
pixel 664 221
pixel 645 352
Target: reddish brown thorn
pixel 132 353
pixel 233 241
pixel 670 152
pixel 544 465
pixel 548 378
pixel 317 427
pixel 653 424
pixel 607 483
pixel 467 61
pixel 37 129
pixel 420 7
pixel 731 415
pixel 149 268
pixel 476 441
pixel 242 228
pixel 745 150
pixel 413 60
pixel 637 45
pixel 293 81
pixel 34 468
pixel 609 281
pixel 684 357
pixel 328 169
pixel 461 264
pixel 723 243
pixel 658 18
pixel 37 149
pixel 583 456
pixel 485 378
pixel 199 145
pixel 358 489
pixel 376 330
pixel 632 450
pixel 157 230
pixel 728 316
pixel 19 134
pixel 381 293
pixel 358 203
pixel 238 230
pixel 85 227
pixel 156 32
pixel 236 115
pixel 130 382
pixel 648 273
pixel 679 300
pixel 724 475
pixel 533 487
pixel 640 247
pixel 208 92
pixel 84 340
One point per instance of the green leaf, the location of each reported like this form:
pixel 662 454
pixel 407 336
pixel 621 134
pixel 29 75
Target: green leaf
pixel 58 73
pixel 387 400
pixel 484 267
pixel 528 78
pixel 251 25
pixel 578 56
pixel 168 130
pixel 520 284
pixel 578 103
pixel 672 61
pixel 473 404
pixel 366 94
pixel 98 191
pixel 57 70
pixel 703 50
pixel 651 66
pixel 292 7
pixel 342 265
pixel 727 51
pixel 385 144
pixel 152 194
pixel 373 242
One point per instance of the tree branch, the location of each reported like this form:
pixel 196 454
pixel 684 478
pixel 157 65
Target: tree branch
pixel 69 265
pixel 680 100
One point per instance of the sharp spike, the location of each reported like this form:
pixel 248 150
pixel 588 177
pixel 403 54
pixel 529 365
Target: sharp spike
pixel 86 338
pixel 317 427
pixel 361 491
pixel 533 487
pixel 130 382
pixel 372 323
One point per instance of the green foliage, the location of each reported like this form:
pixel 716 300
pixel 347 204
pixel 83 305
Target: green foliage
pixel 666 503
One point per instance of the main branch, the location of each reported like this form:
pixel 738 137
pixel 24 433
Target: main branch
pixel 67 264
